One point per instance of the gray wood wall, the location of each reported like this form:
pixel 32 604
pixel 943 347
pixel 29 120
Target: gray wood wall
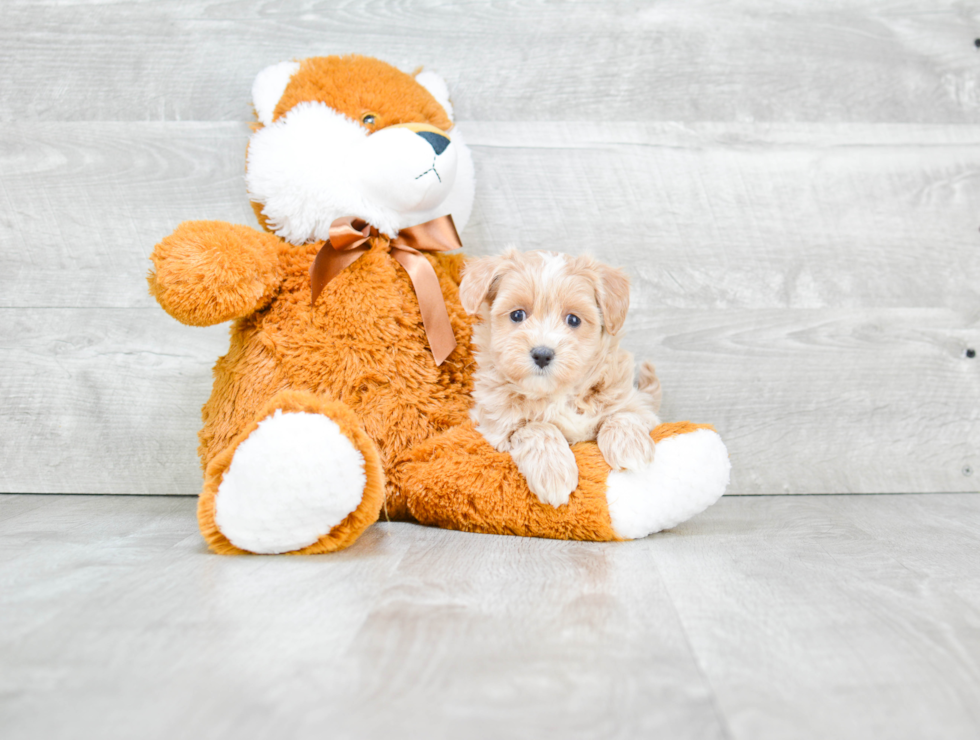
pixel 794 188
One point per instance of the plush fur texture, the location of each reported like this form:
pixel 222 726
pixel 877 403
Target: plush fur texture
pixel 268 88
pixel 314 165
pixel 318 475
pixel 208 272
pixel 354 369
pixel 273 539
pixel 363 343
pixel 343 141
pixel 550 368
pixel 438 89
pixel 458 481
pixel 694 467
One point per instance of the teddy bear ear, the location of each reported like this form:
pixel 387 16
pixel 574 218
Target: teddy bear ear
pixel 438 89
pixel 268 87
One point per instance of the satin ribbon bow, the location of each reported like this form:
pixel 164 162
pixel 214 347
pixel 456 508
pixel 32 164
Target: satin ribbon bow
pixel 349 238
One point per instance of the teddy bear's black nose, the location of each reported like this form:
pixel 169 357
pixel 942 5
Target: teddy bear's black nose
pixel 437 141
pixel 542 356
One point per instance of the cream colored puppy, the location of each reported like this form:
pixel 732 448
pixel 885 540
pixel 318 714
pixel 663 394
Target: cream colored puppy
pixel 550 369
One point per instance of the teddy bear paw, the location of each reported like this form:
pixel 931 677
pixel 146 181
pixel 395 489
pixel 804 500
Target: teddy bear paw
pixel 290 482
pixel 688 474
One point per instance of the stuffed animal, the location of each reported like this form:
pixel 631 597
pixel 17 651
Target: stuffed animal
pixel 344 394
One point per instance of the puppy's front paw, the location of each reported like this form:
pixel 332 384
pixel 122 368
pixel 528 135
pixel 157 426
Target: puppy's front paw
pixel 626 444
pixel 546 461
pixel 553 476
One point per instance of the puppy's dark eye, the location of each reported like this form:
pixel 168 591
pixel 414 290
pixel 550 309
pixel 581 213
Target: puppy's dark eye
pixel 572 320
pixel 517 316
pixel 368 119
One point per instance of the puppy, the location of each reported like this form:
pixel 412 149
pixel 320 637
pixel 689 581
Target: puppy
pixel 550 369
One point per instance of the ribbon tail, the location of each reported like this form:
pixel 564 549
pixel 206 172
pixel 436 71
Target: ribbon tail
pixel 432 305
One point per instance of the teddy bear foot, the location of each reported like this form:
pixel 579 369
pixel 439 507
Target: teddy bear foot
pixel 689 473
pixel 303 478
pixel 458 481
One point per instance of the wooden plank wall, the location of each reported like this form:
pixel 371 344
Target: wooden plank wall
pixel 793 187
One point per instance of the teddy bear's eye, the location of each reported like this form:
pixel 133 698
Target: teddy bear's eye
pixel 518 316
pixel 572 320
pixel 368 119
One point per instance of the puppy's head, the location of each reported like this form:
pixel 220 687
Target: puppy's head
pixel 547 318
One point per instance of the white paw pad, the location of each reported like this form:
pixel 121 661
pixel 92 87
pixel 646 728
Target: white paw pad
pixel 688 474
pixel 290 482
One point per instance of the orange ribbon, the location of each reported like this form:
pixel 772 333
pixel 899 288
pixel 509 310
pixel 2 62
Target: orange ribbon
pixel 349 238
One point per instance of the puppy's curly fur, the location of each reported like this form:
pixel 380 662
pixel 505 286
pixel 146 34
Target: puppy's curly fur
pixel 550 368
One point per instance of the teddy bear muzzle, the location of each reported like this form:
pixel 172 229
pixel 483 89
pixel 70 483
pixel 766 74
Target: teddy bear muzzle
pixel 437 138
pixel 314 165
pixel 408 167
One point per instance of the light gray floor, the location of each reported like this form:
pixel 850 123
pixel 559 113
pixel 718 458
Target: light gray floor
pixel 764 617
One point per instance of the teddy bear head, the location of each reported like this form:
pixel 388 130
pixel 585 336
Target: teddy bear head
pixel 354 136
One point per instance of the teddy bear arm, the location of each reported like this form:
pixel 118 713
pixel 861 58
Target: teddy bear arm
pixel 207 272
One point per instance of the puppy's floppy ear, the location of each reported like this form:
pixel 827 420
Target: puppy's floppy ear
pixel 478 280
pixel 613 296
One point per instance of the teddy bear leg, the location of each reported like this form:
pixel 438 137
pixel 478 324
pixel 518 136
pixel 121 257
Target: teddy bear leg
pixel 458 481
pixel 303 478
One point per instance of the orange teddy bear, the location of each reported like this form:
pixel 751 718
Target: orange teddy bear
pixel 345 391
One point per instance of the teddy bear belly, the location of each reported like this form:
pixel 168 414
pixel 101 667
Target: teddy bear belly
pixel 245 379
pixel 363 343
pixel 396 409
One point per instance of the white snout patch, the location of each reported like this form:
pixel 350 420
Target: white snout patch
pixel 401 170
pixel 314 165
pixel 290 482
pixel 689 473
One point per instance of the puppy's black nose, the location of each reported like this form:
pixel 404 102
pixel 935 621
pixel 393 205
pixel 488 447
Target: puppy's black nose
pixel 438 142
pixel 542 356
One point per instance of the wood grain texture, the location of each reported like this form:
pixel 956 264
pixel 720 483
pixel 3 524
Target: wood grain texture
pixel 83 204
pixel 102 400
pixel 745 216
pixel 411 631
pixel 792 191
pixel 821 401
pixel 762 618
pixel 703 216
pixel 808 401
pixel 865 60
pixel 833 616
